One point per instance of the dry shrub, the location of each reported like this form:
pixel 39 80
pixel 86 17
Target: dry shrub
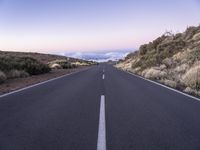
pixel 127 66
pixel 196 37
pixel 170 83
pixel 192 91
pixel 192 78
pixel 181 56
pixel 2 77
pixel 13 74
pixel 155 74
pixel 64 63
pixel 190 32
pixel 182 68
pixel 168 62
pixel 163 66
pixel 24 74
pixel 144 72
pixel 119 65
pixel 30 65
pixel 136 70
pixel 80 63
pixel 17 74
pixel 55 66
pixel 189 90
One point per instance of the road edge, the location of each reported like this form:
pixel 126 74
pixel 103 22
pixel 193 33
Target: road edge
pixel 157 83
pixel 43 82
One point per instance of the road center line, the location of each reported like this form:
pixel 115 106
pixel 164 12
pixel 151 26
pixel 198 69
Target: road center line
pixel 101 141
pixel 103 77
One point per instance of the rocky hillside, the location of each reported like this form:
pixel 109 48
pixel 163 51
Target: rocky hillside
pixel 172 59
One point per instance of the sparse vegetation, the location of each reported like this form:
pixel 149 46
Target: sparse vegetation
pixel 17 74
pixel 172 59
pixel 30 65
pixel 21 65
pixel 170 83
pixel 2 77
pixel 154 74
pixel 55 66
pixel 192 78
pixel 64 64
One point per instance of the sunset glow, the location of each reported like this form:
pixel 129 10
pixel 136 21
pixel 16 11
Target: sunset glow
pixel 52 26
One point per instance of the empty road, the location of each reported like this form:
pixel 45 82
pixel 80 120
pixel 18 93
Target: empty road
pixel 97 109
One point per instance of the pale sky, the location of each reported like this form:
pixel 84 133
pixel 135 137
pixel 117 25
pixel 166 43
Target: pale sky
pixel 54 26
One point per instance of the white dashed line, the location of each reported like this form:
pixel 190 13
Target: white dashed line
pixel 103 77
pixel 101 141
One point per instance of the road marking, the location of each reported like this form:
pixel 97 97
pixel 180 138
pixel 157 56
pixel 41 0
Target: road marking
pixel 37 84
pixel 103 70
pixel 103 77
pixel 177 91
pixel 101 141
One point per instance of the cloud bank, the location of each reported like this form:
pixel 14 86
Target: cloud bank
pixel 99 56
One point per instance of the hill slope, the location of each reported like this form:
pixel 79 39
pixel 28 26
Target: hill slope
pixel 172 59
pixel 44 58
pixel 18 69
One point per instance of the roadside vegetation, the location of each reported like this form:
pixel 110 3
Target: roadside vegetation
pixel 172 59
pixel 21 65
pixel 66 64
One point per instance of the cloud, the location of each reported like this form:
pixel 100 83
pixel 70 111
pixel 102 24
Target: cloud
pixel 99 56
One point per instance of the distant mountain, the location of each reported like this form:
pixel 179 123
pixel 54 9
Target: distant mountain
pixel 172 59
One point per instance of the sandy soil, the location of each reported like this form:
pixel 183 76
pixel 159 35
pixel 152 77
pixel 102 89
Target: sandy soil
pixel 15 84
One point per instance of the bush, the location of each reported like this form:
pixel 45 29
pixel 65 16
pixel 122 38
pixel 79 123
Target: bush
pixel 33 67
pixel 55 66
pixel 2 77
pixel 30 65
pixel 63 63
pixel 192 78
pixel 189 33
pixel 171 46
pixel 170 83
pixel 23 74
pixel 68 65
pixel 168 62
pixel 194 55
pixel 143 49
pixel 182 68
pixel 189 90
pixel 146 61
pixel 17 74
pixel 13 74
pixel 155 74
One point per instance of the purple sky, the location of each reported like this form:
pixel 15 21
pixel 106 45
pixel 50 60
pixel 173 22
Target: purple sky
pixel 59 26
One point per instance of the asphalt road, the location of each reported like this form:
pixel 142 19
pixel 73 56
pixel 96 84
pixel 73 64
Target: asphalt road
pixel 70 114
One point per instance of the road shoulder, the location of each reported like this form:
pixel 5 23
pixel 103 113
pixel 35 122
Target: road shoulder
pixel 20 83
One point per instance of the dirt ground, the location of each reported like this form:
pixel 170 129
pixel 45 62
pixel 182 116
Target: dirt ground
pixel 15 84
